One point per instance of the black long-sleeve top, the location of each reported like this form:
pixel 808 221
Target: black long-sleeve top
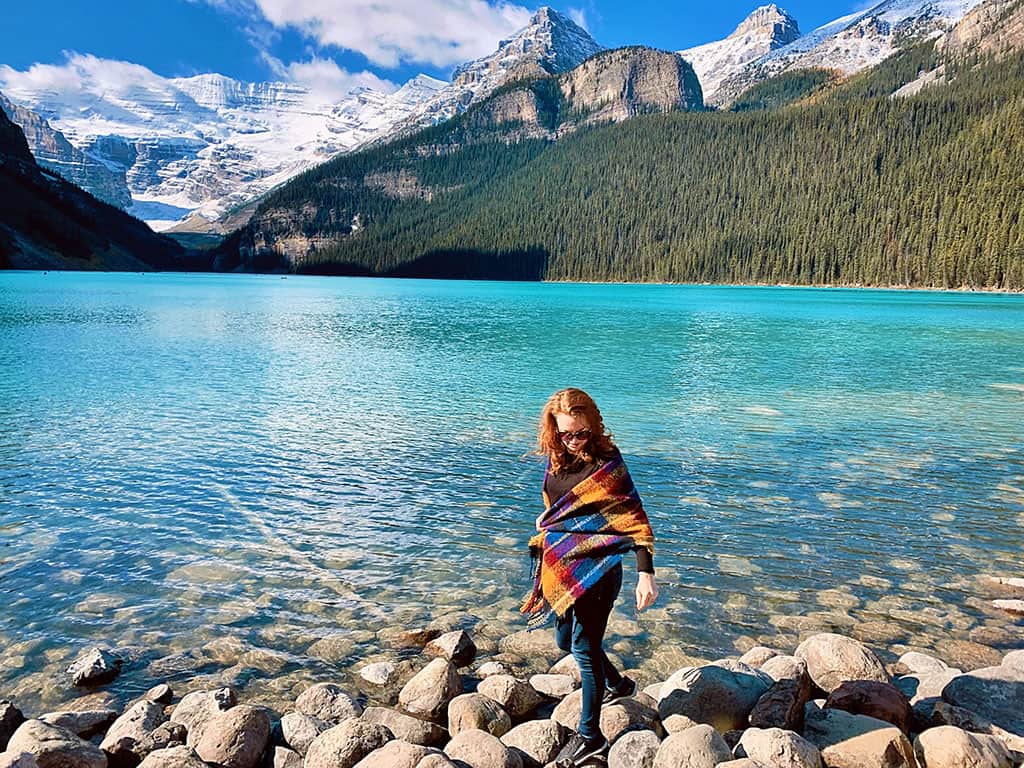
pixel 556 485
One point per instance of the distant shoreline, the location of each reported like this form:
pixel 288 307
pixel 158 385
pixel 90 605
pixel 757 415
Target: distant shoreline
pixel 806 286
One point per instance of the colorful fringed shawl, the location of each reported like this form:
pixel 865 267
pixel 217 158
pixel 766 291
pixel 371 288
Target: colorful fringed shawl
pixel 581 537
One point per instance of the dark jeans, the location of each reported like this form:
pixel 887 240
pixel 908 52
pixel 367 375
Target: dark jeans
pixel 581 632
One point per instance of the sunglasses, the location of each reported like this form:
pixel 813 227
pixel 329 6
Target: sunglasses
pixel 582 434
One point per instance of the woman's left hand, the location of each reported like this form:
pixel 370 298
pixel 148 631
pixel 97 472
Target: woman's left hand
pixel 646 590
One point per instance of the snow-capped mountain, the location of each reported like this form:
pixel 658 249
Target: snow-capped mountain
pixel 550 44
pixel 851 43
pixel 767 28
pixel 207 143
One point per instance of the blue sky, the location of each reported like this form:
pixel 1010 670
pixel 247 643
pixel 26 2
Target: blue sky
pixel 362 41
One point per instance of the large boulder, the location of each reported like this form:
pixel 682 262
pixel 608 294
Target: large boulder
pixel 479 749
pixel 123 740
pixel 714 695
pixel 951 747
pixel 627 714
pixel 995 693
pixel 299 730
pixel 782 705
pixel 636 749
pixel 346 744
pixel 95 666
pixel 536 741
pixel 54 747
pixel 940 713
pixel 236 738
pixel 516 697
pixel 785 668
pixel 427 694
pixel 457 647
pixel 19 760
pixel 857 741
pixel 395 754
pixel 84 723
pixel 474 710
pixel 778 748
pixel 196 709
pixel 882 701
pixel 833 659
pixel 328 702
pixel 406 727
pixel 180 756
pixel 920 686
pixel 698 747
pixel 553 686
pixel 10 718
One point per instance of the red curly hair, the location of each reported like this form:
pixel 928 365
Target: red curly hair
pixel 578 403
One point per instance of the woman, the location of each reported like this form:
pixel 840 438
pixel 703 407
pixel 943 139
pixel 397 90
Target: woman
pixel 593 516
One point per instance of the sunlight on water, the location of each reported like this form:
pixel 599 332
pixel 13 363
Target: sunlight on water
pixel 243 480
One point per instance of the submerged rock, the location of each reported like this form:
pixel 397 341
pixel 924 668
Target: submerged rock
pixel 95 666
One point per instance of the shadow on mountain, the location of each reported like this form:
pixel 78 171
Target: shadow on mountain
pixel 529 264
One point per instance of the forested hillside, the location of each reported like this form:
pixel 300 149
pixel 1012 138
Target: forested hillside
pixel 846 186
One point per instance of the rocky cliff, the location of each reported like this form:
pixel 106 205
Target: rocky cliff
pixel 48 223
pixel 996 27
pixel 52 150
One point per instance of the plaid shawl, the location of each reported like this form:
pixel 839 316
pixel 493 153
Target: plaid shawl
pixel 581 537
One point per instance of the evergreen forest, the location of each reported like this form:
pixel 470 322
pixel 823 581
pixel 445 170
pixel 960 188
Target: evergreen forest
pixel 806 181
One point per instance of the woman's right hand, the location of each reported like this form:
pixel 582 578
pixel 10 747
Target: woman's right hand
pixel 646 590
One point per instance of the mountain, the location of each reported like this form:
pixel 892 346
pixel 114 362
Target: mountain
pixel 52 150
pixel 850 188
pixel 549 44
pixel 996 27
pixel 849 44
pixel 200 144
pixel 340 198
pixel 766 29
pixel 48 223
pixel 197 148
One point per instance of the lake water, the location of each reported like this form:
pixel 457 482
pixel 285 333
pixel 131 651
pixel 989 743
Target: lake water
pixel 256 480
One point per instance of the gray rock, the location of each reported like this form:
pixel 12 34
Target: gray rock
pixel 714 695
pixel 236 738
pixel 778 748
pixel 940 713
pixel 857 741
pixel 173 757
pixel 329 703
pixel 515 696
pixel 437 761
pixel 161 694
pixel 95 666
pixel 84 724
pixel 628 715
pixel 553 686
pixel 407 728
pixel 10 718
pixel 785 668
pixel 300 730
pixel 137 722
pixel 379 673
pixel 492 668
pixel 195 710
pixel 567 666
pixel 833 659
pixel 951 747
pixel 536 741
pixel 395 754
pixel 475 710
pixel 54 747
pixel 742 762
pixel 479 749
pixel 427 694
pixel 346 744
pixel 918 686
pixel 636 749
pixel 757 656
pixel 917 663
pixel 19 760
pixel 698 747
pixel 995 693
pixel 282 757
pixel 457 647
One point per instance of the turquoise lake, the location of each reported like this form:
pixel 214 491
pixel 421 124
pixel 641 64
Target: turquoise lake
pixel 257 480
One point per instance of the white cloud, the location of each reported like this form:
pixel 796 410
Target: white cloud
pixel 328 83
pixel 579 17
pixel 392 32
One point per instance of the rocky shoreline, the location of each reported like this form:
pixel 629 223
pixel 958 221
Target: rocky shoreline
pixel 829 703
